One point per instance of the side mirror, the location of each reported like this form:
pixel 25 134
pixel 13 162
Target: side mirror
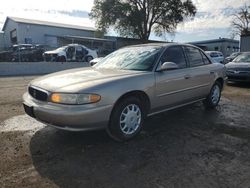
pixel 94 61
pixel 167 66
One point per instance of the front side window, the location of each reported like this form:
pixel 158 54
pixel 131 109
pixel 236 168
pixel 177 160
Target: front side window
pixel 194 56
pixel 174 54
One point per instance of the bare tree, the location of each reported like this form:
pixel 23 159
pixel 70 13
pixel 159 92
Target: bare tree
pixel 241 22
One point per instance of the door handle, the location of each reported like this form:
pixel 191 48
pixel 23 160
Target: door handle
pixel 187 76
pixel 211 72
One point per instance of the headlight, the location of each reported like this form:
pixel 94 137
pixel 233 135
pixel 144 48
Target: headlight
pixel 66 98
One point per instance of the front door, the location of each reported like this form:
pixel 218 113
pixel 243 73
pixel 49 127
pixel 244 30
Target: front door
pixel 71 53
pixel 173 87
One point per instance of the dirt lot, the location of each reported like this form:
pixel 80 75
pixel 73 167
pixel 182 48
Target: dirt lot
pixel 188 147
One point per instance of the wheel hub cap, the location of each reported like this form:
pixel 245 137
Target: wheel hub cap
pixel 130 119
pixel 215 94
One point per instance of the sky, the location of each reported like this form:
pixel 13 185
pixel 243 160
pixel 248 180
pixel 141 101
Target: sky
pixel 212 20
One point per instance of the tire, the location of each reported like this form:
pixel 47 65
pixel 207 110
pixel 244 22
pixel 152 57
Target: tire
pixel 89 58
pixel 213 98
pixel 61 59
pixel 126 119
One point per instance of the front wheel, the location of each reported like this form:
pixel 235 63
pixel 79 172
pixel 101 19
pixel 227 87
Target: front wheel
pixel 213 98
pixel 126 119
pixel 61 59
pixel 89 58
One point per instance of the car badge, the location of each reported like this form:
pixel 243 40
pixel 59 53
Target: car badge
pixel 236 72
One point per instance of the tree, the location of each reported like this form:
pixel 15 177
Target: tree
pixel 138 18
pixel 241 21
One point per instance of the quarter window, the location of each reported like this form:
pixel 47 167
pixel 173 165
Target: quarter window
pixel 174 54
pixel 205 59
pixel 194 56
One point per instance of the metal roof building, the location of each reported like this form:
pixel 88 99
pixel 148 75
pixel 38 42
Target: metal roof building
pixel 20 31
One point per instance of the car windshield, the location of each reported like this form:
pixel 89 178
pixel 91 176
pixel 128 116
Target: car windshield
pixel 61 48
pixel 242 58
pixel 233 55
pixel 132 58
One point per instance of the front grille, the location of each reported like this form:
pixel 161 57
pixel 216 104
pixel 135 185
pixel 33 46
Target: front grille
pixel 237 78
pixel 38 94
pixel 238 72
pixel 50 57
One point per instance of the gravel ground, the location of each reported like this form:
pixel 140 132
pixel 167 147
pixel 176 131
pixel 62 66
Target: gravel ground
pixel 188 147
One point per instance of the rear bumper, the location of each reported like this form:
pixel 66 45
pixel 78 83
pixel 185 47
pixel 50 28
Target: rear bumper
pixel 68 117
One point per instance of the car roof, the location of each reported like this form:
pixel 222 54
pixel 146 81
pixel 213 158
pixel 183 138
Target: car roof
pixel 160 44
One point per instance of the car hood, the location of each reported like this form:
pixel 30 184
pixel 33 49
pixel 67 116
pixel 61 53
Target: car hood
pixel 243 65
pixel 76 80
pixel 53 51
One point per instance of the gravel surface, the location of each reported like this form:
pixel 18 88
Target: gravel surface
pixel 188 147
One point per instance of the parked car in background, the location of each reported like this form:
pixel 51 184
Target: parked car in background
pixel 27 52
pixel 6 55
pixel 239 69
pixel 23 53
pixel 125 87
pixel 231 57
pixel 216 56
pixel 71 52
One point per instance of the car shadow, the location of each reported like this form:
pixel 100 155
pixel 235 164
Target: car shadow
pixel 167 146
pixel 239 84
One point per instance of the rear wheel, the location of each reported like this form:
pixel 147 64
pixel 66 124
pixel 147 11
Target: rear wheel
pixel 213 98
pixel 126 119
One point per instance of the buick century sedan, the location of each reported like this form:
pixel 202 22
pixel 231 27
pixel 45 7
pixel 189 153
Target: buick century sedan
pixel 124 88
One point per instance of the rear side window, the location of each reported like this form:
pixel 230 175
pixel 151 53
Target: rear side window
pixel 174 54
pixel 194 56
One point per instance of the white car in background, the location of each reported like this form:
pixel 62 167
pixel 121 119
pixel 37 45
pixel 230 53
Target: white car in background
pixel 71 52
pixel 216 56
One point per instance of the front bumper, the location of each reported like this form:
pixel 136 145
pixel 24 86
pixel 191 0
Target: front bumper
pixel 68 117
pixel 238 76
pixel 50 57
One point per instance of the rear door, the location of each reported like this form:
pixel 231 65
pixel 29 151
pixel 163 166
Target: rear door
pixel 200 71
